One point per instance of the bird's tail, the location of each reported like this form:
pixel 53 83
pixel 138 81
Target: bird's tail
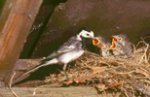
pixel 27 74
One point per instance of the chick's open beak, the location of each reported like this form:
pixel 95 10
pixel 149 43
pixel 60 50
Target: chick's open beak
pixel 114 39
pixel 95 41
pixel 113 45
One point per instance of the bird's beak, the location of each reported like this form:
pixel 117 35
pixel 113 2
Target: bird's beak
pixel 95 41
pixel 114 40
pixel 113 45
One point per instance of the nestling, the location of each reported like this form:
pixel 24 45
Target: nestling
pixel 121 46
pixel 103 45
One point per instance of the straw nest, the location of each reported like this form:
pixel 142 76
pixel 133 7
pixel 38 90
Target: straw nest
pixel 128 77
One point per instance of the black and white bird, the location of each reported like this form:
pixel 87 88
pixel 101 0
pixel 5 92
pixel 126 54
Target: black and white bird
pixel 68 52
pixel 103 45
pixel 121 46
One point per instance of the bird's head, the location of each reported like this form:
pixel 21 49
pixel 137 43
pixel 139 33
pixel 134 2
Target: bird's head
pixel 85 34
pixel 118 39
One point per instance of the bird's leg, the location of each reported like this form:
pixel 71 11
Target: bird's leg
pixel 64 69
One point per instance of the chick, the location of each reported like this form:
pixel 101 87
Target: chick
pixel 121 46
pixel 104 45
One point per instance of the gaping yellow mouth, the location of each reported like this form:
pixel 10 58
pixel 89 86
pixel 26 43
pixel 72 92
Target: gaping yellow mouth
pixel 96 42
pixel 113 45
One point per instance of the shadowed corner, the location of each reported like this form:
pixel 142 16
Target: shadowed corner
pixel 39 74
pixel 37 77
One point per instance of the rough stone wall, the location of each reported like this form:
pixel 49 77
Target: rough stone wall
pixel 104 17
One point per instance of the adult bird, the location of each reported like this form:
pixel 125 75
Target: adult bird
pixel 68 52
pixel 103 45
pixel 121 46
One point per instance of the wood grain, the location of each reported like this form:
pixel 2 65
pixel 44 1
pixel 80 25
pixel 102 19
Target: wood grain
pixel 56 92
pixel 15 31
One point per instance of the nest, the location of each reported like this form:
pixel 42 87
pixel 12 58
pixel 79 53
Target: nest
pixel 126 77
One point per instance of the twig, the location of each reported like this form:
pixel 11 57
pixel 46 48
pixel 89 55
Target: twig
pixel 146 89
pixel 144 72
pixel 146 37
pixel 125 73
pixel 34 92
pixel 140 42
pixel 126 94
pixel 10 84
pixel 144 56
pixel 145 81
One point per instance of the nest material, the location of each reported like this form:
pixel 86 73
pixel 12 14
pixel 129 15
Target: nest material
pixel 129 77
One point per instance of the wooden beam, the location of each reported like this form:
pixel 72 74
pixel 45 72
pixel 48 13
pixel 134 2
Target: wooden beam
pixel 5 12
pixel 14 33
pixel 46 91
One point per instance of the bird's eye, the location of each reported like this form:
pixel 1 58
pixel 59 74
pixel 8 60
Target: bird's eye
pixel 88 34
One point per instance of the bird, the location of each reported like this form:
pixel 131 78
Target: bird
pixel 68 52
pixel 103 45
pixel 121 46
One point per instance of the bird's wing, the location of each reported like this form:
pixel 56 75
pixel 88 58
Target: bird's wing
pixel 66 47
pixel 52 55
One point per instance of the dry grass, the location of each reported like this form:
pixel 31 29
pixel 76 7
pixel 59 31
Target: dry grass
pixel 129 77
